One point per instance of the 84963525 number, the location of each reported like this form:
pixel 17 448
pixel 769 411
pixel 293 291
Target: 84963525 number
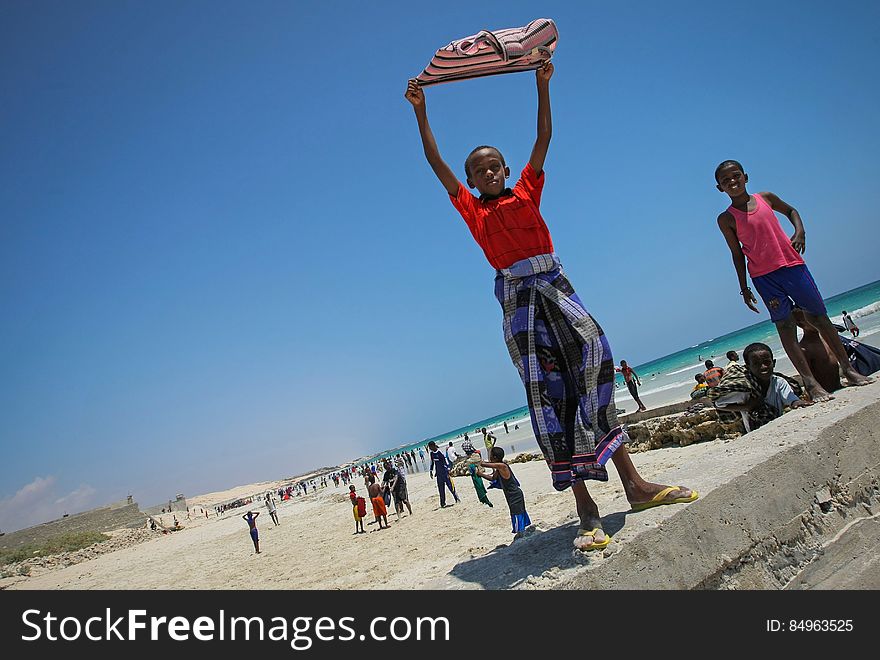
pixel 820 625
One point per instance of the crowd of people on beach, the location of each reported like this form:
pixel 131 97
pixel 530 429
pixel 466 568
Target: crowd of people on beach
pixel 563 356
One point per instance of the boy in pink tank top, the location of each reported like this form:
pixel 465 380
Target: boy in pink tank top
pixel 778 271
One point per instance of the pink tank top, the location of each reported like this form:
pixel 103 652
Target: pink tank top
pixel 765 244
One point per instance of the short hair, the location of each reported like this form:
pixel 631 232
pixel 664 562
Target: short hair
pixel 731 355
pixel 843 312
pixel 754 348
pixel 727 163
pixel 497 453
pixel 700 378
pixel 709 364
pixel 467 160
pixel 432 445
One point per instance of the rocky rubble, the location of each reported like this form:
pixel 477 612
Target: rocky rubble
pixel 697 424
pixel 119 539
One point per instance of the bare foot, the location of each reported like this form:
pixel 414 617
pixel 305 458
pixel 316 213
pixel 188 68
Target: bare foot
pixel 817 393
pixel 853 377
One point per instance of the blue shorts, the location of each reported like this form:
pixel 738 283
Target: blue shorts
pixel 786 287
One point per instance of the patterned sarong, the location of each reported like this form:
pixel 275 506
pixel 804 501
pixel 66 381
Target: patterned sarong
pixel 565 363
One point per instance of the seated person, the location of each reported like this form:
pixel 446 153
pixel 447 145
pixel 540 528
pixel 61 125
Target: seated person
pixel 821 360
pixel 700 389
pixel 758 394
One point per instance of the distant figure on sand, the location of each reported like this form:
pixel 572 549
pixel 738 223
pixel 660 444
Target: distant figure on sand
pixel 376 497
pixel 451 455
pixel 712 374
pixel 547 329
pixel 489 441
pixel 700 389
pixel 394 480
pixel 251 518
pixel 440 469
pixel 849 324
pixel 633 382
pixel 473 462
pixel 516 500
pixel 273 510
pixel 777 269
pixel 358 509
pixel 759 394
pixel 732 360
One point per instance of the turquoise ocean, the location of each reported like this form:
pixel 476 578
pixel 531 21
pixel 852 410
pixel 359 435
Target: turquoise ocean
pixel 670 379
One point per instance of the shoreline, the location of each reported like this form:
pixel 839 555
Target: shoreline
pixel 470 546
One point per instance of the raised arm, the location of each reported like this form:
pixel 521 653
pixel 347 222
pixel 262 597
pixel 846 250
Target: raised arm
pixel 727 225
pixel 545 124
pixel 416 95
pixel 799 238
pixel 500 468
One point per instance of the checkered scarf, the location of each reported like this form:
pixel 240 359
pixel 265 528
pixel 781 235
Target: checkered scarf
pixel 741 380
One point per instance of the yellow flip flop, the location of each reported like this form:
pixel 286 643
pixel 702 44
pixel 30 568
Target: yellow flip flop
pixel 658 499
pixel 592 546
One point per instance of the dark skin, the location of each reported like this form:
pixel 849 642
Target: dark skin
pixel 634 376
pixel 487 172
pixel 398 508
pixel 375 490
pixel 358 524
pixel 761 365
pixel 732 181
pixel 252 524
pixel 819 357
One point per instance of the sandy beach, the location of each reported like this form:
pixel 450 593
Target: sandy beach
pixel 465 546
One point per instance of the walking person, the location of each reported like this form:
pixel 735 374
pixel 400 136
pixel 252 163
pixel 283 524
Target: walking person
pixel 272 508
pixel 633 382
pixel 440 469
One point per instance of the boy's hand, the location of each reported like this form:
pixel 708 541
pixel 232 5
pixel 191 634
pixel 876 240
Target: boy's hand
pixel 800 403
pixel 799 242
pixel 414 93
pixel 750 300
pixel 545 72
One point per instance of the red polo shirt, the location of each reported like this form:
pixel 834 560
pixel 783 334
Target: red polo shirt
pixel 509 227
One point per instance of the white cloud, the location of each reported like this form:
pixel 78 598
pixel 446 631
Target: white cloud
pixel 39 502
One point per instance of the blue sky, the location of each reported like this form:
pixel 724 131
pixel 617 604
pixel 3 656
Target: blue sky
pixel 223 258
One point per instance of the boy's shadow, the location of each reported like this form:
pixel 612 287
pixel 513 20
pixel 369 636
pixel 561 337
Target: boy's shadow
pixel 507 566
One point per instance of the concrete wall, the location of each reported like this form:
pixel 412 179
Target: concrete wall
pixel 104 519
pixel 171 505
pixel 670 409
pixel 807 517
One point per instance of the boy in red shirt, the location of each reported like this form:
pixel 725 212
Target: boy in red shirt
pixel 562 355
